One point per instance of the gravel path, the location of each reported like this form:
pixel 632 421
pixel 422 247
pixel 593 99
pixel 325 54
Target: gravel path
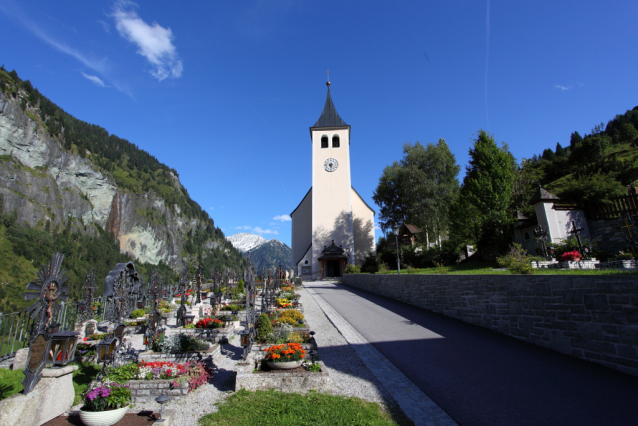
pixel 349 375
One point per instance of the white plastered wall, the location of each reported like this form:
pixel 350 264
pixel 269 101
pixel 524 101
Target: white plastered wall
pixel 331 195
pixel 363 229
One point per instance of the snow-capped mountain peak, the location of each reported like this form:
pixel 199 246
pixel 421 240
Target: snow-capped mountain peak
pixel 245 241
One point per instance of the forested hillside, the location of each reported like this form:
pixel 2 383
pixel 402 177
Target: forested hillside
pixel 70 186
pixel 592 168
pixel 422 188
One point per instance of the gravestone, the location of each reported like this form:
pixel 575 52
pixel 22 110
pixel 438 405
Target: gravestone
pixel 90 328
pixel 86 328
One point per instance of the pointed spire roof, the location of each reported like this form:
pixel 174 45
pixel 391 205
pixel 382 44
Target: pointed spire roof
pixel 542 195
pixel 329 116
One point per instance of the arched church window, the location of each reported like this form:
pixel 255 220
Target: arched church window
pixel 335 141
pixel 324 141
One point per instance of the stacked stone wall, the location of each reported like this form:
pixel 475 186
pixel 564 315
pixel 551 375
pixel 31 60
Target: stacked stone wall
pixel 148 390
pixel 590 317
pixel 608 234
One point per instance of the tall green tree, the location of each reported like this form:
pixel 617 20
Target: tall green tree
pixel 419 189
pixel 488 187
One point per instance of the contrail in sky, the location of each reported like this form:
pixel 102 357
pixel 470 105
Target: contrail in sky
pixel 487 58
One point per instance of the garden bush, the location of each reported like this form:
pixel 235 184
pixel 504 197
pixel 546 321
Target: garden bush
pixel 137 313
pixel 264 328
pixel 232 308
pixel 370 264
pixel 183 343
pixel 353 269
pixel 517 260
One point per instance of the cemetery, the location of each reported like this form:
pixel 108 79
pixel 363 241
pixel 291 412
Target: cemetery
pixel 141 347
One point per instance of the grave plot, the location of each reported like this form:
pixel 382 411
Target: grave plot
pixel 279 348
pixel 96 329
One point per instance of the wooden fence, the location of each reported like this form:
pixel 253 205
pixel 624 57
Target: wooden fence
pixel 616 207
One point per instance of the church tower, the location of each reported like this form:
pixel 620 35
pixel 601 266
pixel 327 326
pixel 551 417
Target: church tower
pixel 332 226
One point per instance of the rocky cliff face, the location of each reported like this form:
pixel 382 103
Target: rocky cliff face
pixel 43 182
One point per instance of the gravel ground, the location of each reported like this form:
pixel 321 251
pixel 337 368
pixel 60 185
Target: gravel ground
pixel 349 375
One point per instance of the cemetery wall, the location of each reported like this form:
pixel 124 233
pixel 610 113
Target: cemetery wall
pixel 608 235
pixel 590 317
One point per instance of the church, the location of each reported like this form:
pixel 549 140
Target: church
pixel 332 226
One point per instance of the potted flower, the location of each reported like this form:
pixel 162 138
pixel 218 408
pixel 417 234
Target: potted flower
pixel 285 357
pixel 105 403
pixel 570 256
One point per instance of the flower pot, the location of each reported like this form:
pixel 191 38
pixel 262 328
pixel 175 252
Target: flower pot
pixel 284 365
pixel 102 418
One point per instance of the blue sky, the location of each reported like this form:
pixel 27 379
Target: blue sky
pixel 224 92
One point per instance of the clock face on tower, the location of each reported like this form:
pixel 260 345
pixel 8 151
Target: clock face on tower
pixel 331 165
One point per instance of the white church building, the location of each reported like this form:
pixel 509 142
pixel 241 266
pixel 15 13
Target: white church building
pixel 332 226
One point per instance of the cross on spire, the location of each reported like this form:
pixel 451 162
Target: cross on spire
pixel 327 72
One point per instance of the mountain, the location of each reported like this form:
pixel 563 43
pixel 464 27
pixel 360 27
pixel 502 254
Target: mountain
pixel 70 186
pixel 270 255
pixel 263 253
pixel 245 241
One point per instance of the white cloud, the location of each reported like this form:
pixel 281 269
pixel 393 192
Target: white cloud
pixel 14 12
pixel 283 218
pixel 558 86
pixel 105 26
pixel 154 42
pixel 95 79
pixel 258 230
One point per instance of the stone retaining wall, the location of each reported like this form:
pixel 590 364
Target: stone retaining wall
pixel 148 390
pixel 209 355
pixel 608 234
pixel 590 317
pixel 298 381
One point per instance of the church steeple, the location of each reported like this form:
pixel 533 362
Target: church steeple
pixel 329 116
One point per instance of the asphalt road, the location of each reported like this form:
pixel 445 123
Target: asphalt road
pixel 480 377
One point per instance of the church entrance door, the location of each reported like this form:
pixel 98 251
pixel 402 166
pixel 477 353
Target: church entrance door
pixel 333 268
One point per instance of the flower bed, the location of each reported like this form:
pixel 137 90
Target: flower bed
pixel 570 256
pixel 209 322
pixel 147 380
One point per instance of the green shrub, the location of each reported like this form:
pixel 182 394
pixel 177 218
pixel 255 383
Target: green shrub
pixel 517 260
pixel 232 308
pixel 123 373
pixel 137 313
pixel 370 264
pixel 353 269
pixel 264 328
pixel 183 343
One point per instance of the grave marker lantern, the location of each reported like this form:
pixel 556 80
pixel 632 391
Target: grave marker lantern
pixel 106 349
pixel 245 338
pixel 61 348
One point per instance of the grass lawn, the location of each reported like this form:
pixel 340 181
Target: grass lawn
pixel 10 382
pixel 82 377
pixel 272 407
pixel 492 268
